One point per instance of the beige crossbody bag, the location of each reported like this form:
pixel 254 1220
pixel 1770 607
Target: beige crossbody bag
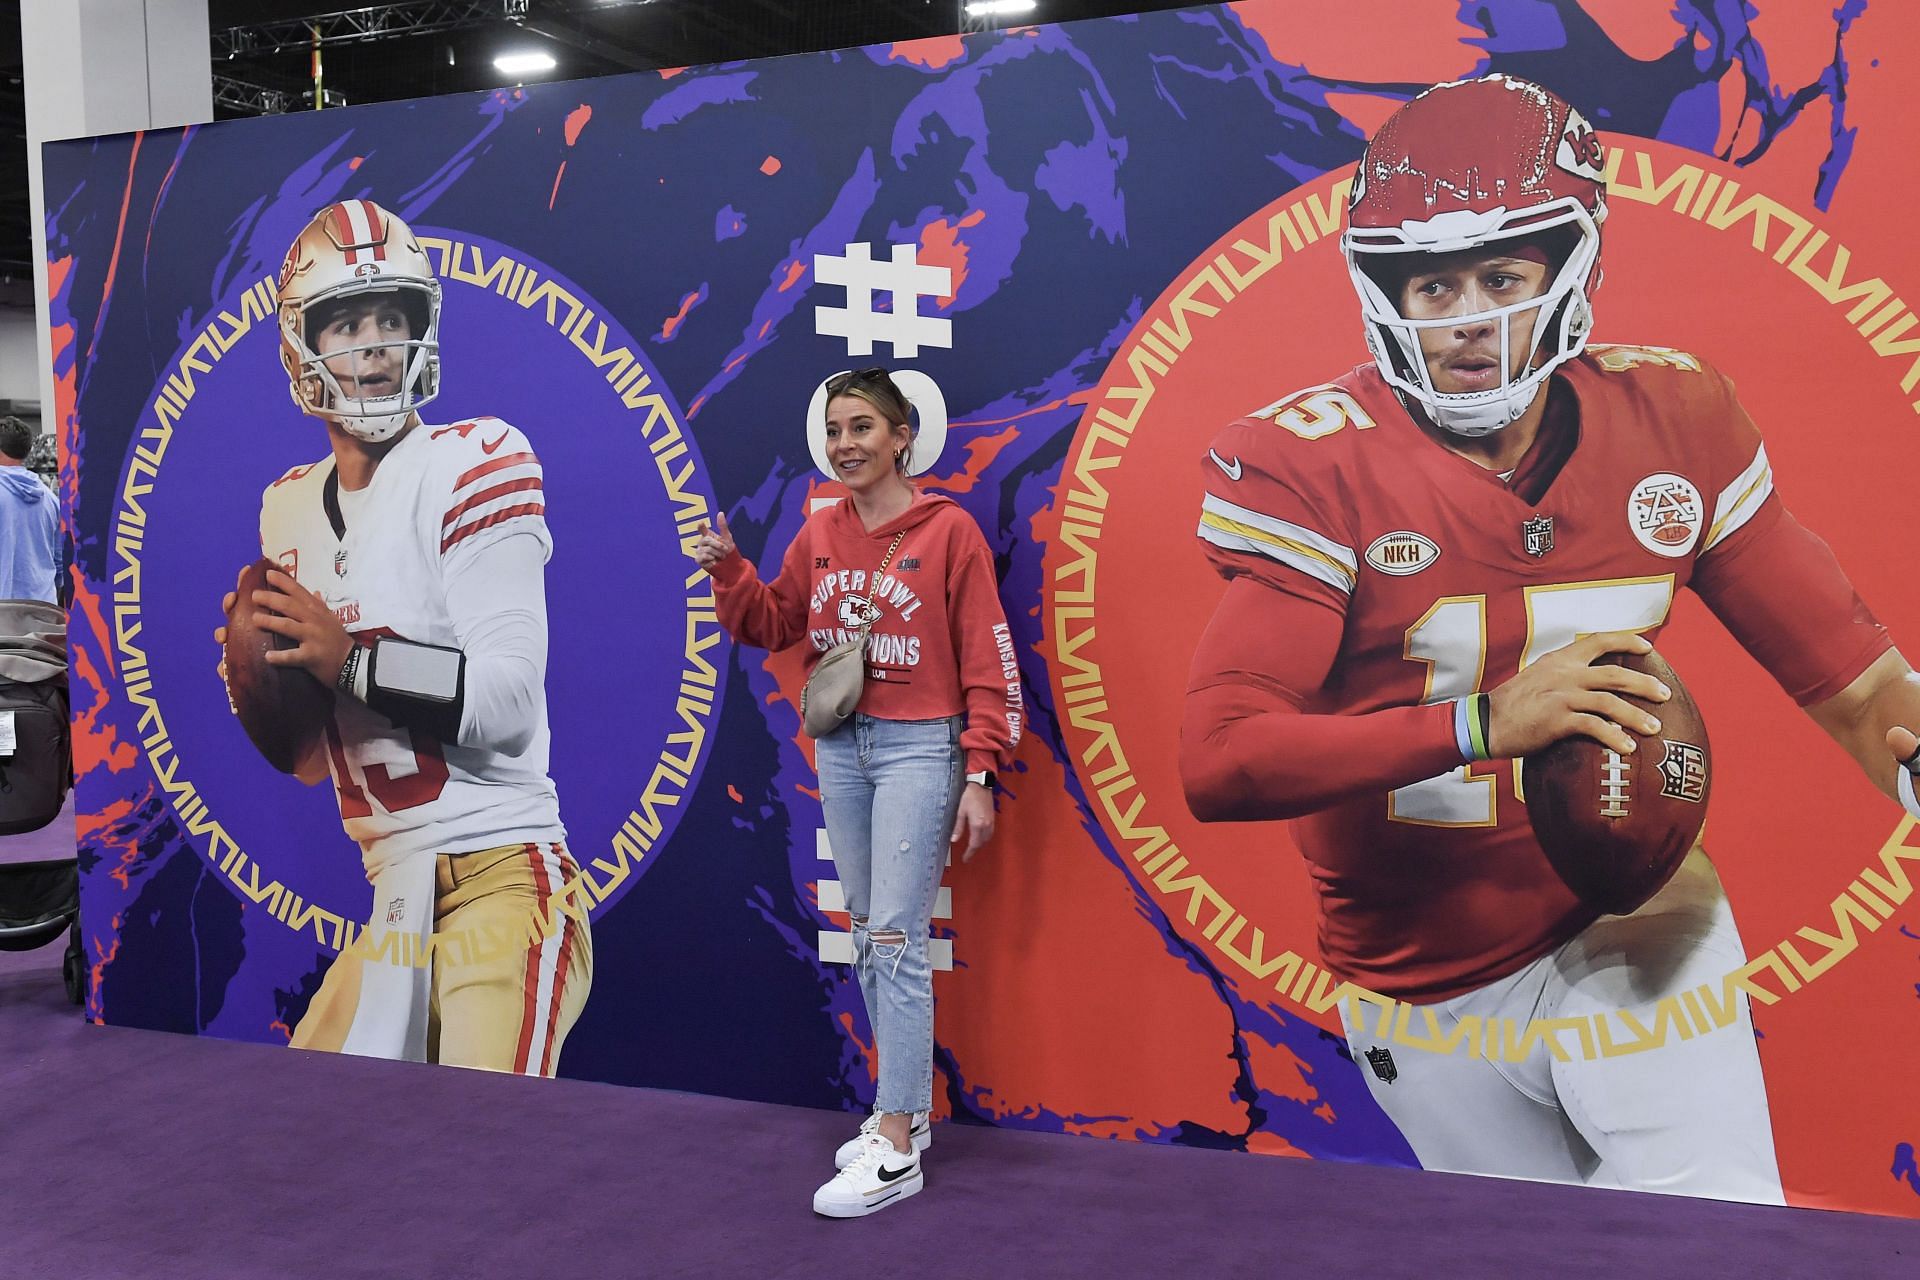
pixel 833 690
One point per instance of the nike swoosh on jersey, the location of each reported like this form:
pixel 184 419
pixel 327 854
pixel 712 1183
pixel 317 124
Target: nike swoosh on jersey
pixel 488 446
pixel 1233 470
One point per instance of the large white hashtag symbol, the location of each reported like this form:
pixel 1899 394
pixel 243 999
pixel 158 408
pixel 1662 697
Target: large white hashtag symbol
pixel 904 279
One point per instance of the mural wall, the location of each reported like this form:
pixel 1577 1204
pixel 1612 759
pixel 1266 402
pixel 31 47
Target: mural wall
pixel 1103 242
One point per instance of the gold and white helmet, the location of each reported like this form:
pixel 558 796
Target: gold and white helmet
pixel 355 247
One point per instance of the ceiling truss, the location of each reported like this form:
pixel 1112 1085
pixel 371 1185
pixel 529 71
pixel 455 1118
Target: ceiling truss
pixel 356 26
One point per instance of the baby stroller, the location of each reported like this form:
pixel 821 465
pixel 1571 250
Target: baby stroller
pixel 39 900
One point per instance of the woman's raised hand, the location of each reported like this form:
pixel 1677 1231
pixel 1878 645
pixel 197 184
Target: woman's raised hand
pixel 711 545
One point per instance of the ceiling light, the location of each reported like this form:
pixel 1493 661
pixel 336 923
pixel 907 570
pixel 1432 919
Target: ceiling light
pixel 520 64
pixel 990 8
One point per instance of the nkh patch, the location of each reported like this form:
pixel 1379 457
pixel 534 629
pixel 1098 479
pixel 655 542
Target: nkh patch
pixel 1402 552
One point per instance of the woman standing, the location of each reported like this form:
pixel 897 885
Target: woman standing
pixel 912 769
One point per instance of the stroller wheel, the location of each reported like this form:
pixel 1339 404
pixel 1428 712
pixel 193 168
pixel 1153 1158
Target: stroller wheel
pixel 75 972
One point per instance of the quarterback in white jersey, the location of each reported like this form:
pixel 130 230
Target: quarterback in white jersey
pixel 411 577
pixel 447 508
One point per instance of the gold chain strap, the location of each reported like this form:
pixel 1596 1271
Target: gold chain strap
pixel 886 560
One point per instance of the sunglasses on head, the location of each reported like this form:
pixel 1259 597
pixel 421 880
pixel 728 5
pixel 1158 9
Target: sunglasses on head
pixel 841 381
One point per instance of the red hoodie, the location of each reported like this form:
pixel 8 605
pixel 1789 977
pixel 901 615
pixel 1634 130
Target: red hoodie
pixel 941 646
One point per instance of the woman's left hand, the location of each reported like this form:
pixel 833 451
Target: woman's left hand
pixel 974 822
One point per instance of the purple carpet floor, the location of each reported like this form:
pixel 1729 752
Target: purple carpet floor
pixel 199 1158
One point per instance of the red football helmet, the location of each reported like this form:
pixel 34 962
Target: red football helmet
pixel 1468 164
pixel 353 248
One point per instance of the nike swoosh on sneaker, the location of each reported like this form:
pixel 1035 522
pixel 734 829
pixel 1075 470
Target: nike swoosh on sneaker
pixel 897 1174
pixel 488 446
pixel 1233 471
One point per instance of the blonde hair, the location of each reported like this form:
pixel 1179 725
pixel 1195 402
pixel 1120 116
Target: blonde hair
pixel 876 387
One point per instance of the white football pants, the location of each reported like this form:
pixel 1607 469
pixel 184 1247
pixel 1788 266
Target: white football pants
pixel 1687 1117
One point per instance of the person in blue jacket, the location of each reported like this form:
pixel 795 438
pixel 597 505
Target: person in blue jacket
pixel 29 521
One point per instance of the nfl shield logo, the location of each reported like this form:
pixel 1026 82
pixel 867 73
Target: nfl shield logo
pixel 1683 772
pixel 340 564
pixel 1381 1060
pixel 1538 533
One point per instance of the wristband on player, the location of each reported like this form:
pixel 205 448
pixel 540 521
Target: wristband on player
pixel 1473 726
pixel 1903 784
pixel 422 686
pixel 352 680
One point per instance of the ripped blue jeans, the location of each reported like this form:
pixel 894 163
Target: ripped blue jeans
pixel 890 789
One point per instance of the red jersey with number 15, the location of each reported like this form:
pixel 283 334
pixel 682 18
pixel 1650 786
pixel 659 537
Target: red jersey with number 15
pixel 1450 581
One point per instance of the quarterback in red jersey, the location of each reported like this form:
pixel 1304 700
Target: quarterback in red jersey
pixel 1423 557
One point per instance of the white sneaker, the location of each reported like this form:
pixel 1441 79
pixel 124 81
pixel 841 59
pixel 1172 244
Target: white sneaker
pixel 919 1133
pixel 877 1177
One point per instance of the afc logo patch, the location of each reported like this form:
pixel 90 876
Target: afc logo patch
pixel 1666 514
pixel 1381 1060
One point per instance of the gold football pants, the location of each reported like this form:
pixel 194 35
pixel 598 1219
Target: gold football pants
pixel 501 979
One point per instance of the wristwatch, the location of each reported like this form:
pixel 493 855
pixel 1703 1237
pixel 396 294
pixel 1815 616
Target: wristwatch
pixel 982 778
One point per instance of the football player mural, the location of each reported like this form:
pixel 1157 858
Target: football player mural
pixel 409 579
pixel 1427 566
pixel 1420 616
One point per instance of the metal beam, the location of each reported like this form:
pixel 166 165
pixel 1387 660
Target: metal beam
pixel 247 98
pixel 354 26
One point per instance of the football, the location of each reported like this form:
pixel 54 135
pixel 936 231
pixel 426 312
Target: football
pixel 283 709
pixel 1616 827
